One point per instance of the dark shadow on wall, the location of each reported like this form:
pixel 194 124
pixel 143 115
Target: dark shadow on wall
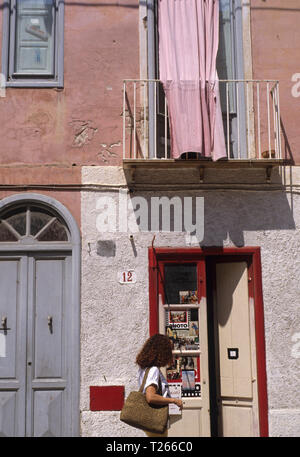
pixel 227 214
pixel 287 151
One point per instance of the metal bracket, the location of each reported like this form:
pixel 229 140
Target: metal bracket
pixel 132 174
pixel 201 174
pixel 50 323
pixel 268 174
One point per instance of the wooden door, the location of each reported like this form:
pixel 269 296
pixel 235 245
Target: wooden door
pixel 231 334
pixel 35 314
pixel 235 352
pixel 13 292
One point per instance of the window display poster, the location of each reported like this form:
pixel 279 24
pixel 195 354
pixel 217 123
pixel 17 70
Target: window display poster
pixel 188 380
pixel 183 363
pixel 178 319
pixel 182 330
pixel 188 297
pixel 175 392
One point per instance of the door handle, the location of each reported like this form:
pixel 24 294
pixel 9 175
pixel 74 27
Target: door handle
pixel 4 324
pixel 50 323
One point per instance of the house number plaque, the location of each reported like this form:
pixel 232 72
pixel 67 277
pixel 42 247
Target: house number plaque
pixel 127 277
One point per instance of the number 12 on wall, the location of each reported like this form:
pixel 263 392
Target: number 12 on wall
pixel 127 277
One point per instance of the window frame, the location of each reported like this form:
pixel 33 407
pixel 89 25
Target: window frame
pixel 238 69
pixel 8 50
pixel 252 255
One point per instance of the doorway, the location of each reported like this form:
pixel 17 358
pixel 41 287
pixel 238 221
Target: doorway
pixel 232 348
pixel 220 366
pixel 39 313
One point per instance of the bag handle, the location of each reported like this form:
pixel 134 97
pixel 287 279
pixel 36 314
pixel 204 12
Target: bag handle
pixel 144 380
pixel 159 385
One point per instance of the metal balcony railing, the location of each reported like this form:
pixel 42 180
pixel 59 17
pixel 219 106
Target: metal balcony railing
pixel 251 120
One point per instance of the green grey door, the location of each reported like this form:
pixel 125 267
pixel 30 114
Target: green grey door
pixel 35 328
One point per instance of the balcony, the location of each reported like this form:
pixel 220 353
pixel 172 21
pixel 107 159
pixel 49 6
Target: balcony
pixel 251 121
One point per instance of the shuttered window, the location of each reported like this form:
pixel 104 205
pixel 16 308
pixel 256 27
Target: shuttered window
pixel 230 67
pixel 226 54
pixel 33 43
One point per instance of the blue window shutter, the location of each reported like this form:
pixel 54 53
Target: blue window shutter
pixel 226 53
pixel 225 58
pixel 230 66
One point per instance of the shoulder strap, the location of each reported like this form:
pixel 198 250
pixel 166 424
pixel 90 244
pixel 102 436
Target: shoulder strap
pixel 144 380
pixel 159 384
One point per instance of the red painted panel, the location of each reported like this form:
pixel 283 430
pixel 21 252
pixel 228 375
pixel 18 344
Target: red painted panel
pixel 106 398
pixel 260 345
pixel 153 292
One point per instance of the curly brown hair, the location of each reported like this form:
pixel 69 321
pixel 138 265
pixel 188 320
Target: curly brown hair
pixel 156 352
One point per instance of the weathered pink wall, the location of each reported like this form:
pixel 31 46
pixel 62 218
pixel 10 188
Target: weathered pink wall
pixel 70 126
pixel 80 124
pixel 275 28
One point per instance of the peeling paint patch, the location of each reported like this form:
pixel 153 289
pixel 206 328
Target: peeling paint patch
pixel 115 145
pixel 84 132
pixel 106 152
pixel 39 122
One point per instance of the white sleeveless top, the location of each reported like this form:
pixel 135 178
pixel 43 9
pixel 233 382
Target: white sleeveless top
pixel 153 378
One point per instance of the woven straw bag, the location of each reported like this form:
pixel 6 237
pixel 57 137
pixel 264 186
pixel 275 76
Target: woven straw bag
pixel 139 414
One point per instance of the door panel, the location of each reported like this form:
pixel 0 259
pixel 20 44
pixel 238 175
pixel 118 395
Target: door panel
pixel 237 421
pixel 34 345
pixel 233 329
pixel 237 401
pixel 10 308
pixel 189 425
pixel 13 345
pixel 47 393
pixel 8 413
pixel 48 305
pixel 48 412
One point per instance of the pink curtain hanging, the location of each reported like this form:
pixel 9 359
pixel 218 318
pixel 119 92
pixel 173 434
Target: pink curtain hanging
pixel 188 45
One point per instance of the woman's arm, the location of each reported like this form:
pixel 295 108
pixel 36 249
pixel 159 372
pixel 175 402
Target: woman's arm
pixel 155 399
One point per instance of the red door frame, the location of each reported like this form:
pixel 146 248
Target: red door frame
pixel 158 255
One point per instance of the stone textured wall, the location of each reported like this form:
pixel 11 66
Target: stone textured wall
pixel 114 317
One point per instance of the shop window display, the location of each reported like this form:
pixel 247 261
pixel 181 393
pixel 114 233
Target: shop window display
pixel 182 326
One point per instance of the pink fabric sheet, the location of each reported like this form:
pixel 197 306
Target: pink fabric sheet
pixel 188 45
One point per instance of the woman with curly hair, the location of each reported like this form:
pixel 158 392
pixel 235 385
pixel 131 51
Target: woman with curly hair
pixel 156 353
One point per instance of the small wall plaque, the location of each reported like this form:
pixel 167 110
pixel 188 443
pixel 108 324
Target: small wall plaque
pixel 127 277
pixel 233 353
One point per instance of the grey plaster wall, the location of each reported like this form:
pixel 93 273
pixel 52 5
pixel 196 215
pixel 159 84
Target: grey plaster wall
pixel 114 317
